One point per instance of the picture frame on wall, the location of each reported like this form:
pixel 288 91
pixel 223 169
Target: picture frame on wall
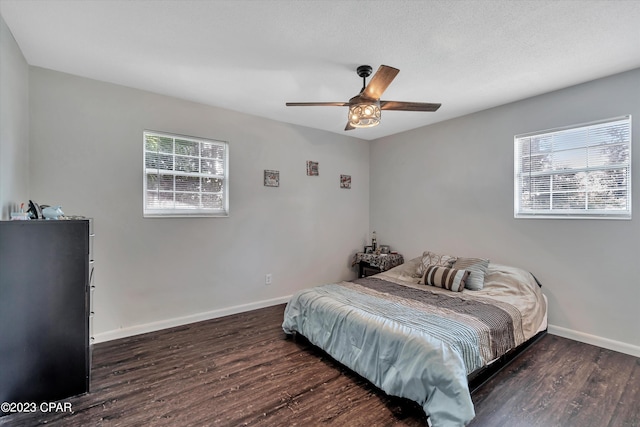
pixel 312 168
pixel 345 181
pixel 271 178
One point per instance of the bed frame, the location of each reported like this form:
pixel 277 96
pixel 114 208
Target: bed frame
pixel 478 378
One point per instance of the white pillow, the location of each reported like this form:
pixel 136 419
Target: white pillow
pixel 432 258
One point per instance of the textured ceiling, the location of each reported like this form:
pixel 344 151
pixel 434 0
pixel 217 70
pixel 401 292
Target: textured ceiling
pixel 253 56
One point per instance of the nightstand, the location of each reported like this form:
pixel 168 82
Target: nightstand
pixel 369 264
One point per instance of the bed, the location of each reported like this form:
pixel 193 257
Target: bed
pixel 417 335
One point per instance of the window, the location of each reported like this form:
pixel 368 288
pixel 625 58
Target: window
pixel 580 171
pixel 185 176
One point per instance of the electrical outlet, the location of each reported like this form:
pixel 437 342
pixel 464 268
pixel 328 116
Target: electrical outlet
pixel 267 279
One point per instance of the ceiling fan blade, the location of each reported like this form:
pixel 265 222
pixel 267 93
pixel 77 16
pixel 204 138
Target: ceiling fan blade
pixel 317 104
pixel 408 106
pixel 380 81
pixel 348 126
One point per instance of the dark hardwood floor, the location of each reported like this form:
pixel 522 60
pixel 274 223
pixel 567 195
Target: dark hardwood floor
pixel 242 370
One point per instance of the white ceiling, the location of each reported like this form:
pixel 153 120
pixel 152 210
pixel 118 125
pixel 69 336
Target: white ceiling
pixel 253 56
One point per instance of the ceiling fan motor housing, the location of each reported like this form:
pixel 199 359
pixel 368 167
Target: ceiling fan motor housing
pixel 364 71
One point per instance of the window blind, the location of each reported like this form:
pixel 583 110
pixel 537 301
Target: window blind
pixel 185 176
pixel 578 171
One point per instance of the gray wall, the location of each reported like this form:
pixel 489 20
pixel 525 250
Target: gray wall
pixel 86 155
pixel 14 124
pixel 449 188
pixel 446 187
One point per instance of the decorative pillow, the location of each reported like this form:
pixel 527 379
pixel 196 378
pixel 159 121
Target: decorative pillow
pixel 431 258
pixel 446 278
pixel 477 268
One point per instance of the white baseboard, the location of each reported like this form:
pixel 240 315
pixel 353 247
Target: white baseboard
pixel 618 346
pixel 179 321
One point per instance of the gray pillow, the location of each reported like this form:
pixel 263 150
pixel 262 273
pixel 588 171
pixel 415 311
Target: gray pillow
pixel 477 267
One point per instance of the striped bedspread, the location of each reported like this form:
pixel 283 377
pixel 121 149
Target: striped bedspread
pixel 480 330
pixel 410 342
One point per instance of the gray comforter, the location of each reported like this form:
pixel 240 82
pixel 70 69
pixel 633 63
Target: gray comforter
pixel 409 342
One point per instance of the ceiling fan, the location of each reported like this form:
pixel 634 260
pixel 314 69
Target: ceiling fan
pixel 364 108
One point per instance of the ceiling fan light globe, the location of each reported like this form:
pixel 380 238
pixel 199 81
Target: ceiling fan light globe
pixel 364 115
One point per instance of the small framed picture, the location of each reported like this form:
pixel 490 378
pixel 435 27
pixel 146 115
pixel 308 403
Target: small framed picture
pixel 345 181
pixel 368 249
pixel 271 178
pixel 312 168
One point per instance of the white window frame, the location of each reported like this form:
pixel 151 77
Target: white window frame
pixel 526 171
pixel 166 206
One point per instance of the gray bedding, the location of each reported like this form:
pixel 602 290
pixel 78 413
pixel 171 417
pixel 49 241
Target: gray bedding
pixel 411 341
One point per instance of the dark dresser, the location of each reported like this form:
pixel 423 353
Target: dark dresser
pixel 45 300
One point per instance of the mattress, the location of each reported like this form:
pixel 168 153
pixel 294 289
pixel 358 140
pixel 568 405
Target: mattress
pixel 420 342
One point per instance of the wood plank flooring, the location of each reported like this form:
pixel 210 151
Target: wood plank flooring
pixel 242 370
